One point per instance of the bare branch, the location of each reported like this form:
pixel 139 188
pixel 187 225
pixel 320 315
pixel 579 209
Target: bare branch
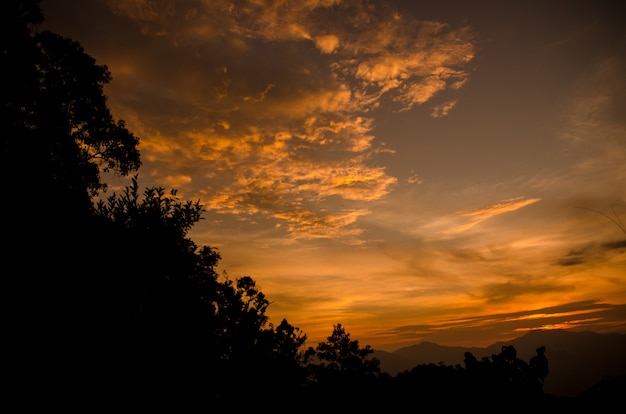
pixel 616 220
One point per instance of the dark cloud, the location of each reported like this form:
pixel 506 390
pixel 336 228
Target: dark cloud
pixel 571 261
pixel 574 315
pixel 591 253
pixel 574 257
pixel 509 291
pixel 613 245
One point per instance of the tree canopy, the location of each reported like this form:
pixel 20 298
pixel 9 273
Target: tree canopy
pixel 58 133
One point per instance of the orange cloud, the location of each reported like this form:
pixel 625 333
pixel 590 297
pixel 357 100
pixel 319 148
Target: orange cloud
pixel 282 129
pixel 443 109
pixel 327 43
pixel 479 215
pixel 310 225
pixel 176 181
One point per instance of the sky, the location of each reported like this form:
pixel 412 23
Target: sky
pixel 443 171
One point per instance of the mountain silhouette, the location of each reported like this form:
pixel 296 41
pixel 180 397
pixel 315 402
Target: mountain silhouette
pixel 577 360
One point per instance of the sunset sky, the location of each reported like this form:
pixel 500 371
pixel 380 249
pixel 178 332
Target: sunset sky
pixel 445 171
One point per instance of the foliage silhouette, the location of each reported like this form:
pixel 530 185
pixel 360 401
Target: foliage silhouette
pixel 58 135
pixel 199 336
pixel 59 132
pixel 502 381
pixel 344 356
pixel 119 306
pixel 341 371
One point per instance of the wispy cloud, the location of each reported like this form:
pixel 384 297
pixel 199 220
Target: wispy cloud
pixel 444 109
pixel 574 315
pixel 511 290
pixel 477 216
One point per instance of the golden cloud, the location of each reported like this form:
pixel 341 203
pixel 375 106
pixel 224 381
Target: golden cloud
pixel 327 43
pixel 309 225
pixel 283 128
pixel 443 109
pixel 479 215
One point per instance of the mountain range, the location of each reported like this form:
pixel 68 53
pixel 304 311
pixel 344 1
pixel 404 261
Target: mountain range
pixel 577 360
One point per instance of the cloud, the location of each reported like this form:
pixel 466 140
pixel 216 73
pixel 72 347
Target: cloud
pixel 594 129
pixel 443 109
pixel 268 105
pixel 619 244
pixel 176 181
pixel 508 325
pixel 511 290
pixel 311 225
pixel 479 215
pixel 592 254
pixel 414 179
pixel 327 43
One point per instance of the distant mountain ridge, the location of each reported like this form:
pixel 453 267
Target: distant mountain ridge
pixel 577 360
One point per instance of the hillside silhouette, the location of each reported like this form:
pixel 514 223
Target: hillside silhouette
pixel 112 306
pixel 578 360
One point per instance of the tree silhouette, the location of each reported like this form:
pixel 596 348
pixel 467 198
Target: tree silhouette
pixel 57 137
pixel 190 333
pixel 340 354
pixel 342 371
pixel 538 368
pixel 509 379
pixel 115 305
pixel 58 131
pixel 501 382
